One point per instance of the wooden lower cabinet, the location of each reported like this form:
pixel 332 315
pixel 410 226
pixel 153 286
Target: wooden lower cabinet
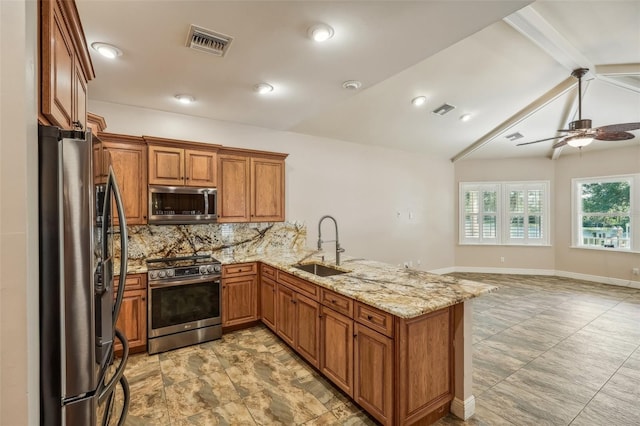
pixel 268 302
pixel 239 300
pixel 132 319
pixel 286 314
pixel 373 373
pixel 307 339
pixel 336 347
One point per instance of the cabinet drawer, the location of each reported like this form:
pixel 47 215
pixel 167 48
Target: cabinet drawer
pixel 374 319
pixel 299 285
pixel 267 271
pixel 132 282
pixel 239 269
pixel 337 302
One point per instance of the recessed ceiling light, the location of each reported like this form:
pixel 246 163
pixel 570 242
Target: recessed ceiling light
pixel 320 32
pixel 107 50
pixel 185 99
pixel 263 88
pixel 352 84
pixel 465 117
pixel 419 100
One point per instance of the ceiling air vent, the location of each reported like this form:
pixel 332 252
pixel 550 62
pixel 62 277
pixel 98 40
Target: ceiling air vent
pixel 514 136
pixel 208 41
pixel 443 109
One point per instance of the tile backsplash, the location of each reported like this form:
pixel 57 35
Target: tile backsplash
pixel 218 239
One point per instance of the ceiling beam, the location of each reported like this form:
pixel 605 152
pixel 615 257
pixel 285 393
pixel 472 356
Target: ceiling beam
pixel 625 76
pixel 518 117
pixel 532 25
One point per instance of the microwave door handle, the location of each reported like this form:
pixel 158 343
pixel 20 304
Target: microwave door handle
pixel 206 202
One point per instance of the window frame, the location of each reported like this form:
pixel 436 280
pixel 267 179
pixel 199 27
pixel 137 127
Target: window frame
pixel 502 190
pixel 634 211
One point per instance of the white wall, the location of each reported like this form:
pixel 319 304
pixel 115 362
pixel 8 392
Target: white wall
pixel 19 399
pixel 363 187
pixel 590 264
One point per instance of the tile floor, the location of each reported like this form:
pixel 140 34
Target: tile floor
pixel 547 351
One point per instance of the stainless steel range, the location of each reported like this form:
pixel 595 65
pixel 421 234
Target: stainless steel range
pixel 184 302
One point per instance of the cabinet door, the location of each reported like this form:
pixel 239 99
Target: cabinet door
pixel 200 168
pixel 132 320
pixel 268 302
pixel 57 78
pixel 336 360
pixel 239 300
pixel 166 165
pixel 233 188
pixel 373 375
pixel 98 155
pixel 285 314
pixel 129 164
pixel 308 329
pixel 267 190
pixel 80 98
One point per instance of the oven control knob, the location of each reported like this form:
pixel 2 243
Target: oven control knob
pixel 153 275
pixel 216 268
pixel 162 274
pixel 203 269
pixel 210 269
pixel 170 273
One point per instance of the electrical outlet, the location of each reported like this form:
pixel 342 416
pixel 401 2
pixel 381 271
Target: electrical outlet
pixel 636 271
pixel 406 265
pixel 502 259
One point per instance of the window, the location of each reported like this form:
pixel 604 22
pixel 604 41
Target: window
pixel 514 213
pixel 603 212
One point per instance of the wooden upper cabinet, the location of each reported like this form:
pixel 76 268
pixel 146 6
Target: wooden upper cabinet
pixel 65 66
pixel 128 157
pixel 267 190
pixel 250 186
pixel 233 188
pixel 181 163
pixel 166 165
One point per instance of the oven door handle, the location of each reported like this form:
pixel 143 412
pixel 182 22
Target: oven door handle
pixel 209 278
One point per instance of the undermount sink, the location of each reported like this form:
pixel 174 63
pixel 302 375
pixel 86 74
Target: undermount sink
pixel 319 269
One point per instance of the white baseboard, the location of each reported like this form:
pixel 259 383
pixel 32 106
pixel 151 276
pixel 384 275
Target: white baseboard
pixel 463 409
pixel 550 272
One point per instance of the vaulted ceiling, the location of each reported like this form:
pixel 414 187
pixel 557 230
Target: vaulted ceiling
pixel 506 63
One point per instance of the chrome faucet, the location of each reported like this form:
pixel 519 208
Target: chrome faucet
pixel 338 248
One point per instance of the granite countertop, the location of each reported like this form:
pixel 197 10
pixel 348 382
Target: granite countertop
pixel 406 293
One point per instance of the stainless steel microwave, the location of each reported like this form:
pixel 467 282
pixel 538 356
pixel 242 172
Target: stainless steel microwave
pixel 182 205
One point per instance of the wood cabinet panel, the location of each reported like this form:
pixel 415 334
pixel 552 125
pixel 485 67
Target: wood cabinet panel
pixel 166 165
pixel 233 188
pixel 268 271
pixel 285 314
pixel 268 302
pixel 132 319
pixel 200 168
pixel 373 373
pixel 336 345
pixel 240 300
pixel 65 65
pixel 298 284
pixel 308 329
pixel 267 190
pixel 426 356
pixel 239 269
pixel 129 162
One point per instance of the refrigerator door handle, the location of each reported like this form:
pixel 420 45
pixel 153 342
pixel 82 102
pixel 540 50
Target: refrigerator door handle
pixel 124 244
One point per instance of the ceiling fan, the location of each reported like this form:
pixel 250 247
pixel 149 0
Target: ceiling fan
pixel 580 133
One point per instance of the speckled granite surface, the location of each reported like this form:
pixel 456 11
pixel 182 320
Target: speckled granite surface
pixel 406 293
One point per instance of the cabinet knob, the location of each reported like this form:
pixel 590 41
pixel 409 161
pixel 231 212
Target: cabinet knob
pixel 187 178
pixel 355 336
pixel 77 124
pixel 144 298
pixel 369 317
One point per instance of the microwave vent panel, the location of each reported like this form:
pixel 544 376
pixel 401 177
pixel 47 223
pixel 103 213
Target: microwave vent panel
pixel 208 41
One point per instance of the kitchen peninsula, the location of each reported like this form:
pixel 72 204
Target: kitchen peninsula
pixel 395 340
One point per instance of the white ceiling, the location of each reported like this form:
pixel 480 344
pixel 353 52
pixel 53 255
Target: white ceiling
pixel 459 52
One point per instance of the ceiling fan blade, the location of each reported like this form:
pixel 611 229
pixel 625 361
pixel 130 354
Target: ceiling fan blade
pixel 540 140
pixel 622 127
pixel 613 136
pixel 558 144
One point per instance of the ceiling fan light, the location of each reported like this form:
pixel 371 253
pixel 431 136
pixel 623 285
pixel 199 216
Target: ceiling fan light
pixel 580 142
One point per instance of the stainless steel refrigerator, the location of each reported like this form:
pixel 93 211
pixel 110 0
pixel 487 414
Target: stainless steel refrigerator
pixel 79 373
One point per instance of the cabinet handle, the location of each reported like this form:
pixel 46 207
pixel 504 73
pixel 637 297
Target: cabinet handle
pixel 187 178
pixel 355 336
pixel 369 317
pixel 293 301
pixel 144 298
pixel 333 300
pixel 144 217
